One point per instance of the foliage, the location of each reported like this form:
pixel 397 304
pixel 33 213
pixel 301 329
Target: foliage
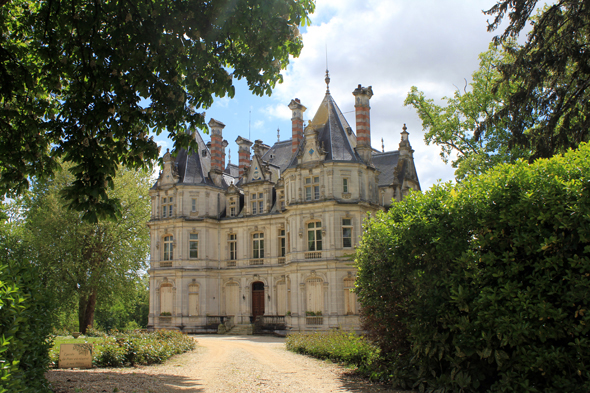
pixel 25 321
pixel 336 345
pixel 552 73
pixel 485 283
pixel 135 348
pixel 453 125
pixel 86 82
pixel 85 264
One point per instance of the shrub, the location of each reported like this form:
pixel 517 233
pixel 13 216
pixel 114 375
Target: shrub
pixel 25 322
pixel 336 345
pixel 483 286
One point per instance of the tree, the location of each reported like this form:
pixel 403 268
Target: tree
pixel 482 286
pixel 87 81
pixel 85 263
pixel 453 126
pixel 552 73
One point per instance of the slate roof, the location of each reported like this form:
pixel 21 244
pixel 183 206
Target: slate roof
pixel 279 155
pixel 386 163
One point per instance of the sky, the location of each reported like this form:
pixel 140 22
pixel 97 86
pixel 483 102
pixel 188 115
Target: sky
pixel 390 45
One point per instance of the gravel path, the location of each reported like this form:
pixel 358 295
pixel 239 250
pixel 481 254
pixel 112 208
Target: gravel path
pixel 221 364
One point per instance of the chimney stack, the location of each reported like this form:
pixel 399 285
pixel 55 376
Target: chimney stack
pixel 217 146
pixel 363 122
pixel 243 153
pixel 296 123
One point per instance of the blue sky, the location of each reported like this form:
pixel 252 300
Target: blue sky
pixel 390 45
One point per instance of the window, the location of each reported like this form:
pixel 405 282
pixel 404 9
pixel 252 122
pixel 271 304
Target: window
pixel 232 207
pixel 314 236
pixel 260 207
pixel 282 199
pixel 193 245
pixel 168 248
pixel 193 300
pixel 232 240
pixel 167 207
pixel 282 243
pixel 194 204
pixel 312 188
pixel 349 296
pixel 258 245
pixel 346 232
pixel 253 207
pixel 345 185
pixel 314 294
pixel 166 299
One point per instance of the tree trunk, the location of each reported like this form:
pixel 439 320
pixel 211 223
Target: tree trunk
pixel 86 308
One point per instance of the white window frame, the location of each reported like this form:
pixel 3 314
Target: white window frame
pixel 168 248
pixel 347 226
pixel 258 245
pixel 232 246
pixel 193 240
pixel 282 243
pixel 314 236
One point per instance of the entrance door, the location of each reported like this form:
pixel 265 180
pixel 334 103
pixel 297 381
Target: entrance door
pixel 257 299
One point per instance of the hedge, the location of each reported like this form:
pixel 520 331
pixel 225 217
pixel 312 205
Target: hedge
pixel 484 286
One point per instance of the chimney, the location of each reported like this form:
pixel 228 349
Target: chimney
pixel 217 148
pixel 363 122
pixel 296 123
pixel 244 153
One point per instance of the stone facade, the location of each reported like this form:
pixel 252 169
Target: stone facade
pixel 271 238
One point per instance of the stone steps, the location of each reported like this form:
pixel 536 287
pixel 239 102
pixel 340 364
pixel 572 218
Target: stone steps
pixel 241 330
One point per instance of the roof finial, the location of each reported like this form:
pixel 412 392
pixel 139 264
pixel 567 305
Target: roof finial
pixel 327 73
pixel 229 157
pixel 278 134
pixel 382 146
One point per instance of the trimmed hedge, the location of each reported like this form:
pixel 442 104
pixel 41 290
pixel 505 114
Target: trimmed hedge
pixel 336 345
pixel 484 286
pixel 25 323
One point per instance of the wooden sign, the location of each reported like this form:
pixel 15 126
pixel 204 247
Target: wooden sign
pixel 75 356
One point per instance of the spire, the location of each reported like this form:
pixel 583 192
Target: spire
pixel 278 134
pixel 382 146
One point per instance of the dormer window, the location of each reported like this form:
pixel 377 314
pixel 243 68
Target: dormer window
pixel 257 203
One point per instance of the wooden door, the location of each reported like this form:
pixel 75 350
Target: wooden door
pixel 257 299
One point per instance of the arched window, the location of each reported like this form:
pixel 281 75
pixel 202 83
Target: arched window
pixel 193 300
pixel 315 295
pixel 232 298
pixel 314 236
pixel 166 300
pixel 168 248
pixel 349 296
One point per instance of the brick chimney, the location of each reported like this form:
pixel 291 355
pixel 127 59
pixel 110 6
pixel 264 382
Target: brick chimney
pixel 244 153
pixel 363 122
pixel 296 123
pixel 217 148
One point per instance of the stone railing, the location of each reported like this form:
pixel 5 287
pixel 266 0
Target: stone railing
pixel 231 263
pixel 166 264
pixel 254 262
pixel 282 260
pixel 313 255
pixel 272 319
pixel 314 321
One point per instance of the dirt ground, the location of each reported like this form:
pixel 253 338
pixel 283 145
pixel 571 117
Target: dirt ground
pixel 221 364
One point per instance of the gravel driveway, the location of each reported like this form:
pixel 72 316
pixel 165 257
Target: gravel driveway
pixel 220 364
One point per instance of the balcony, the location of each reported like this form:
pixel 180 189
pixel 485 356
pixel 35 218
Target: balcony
pixel 231 264
pixel 313 255
pixel 314 321
pixel 166 264
pixel 256 262
pixel 282 260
